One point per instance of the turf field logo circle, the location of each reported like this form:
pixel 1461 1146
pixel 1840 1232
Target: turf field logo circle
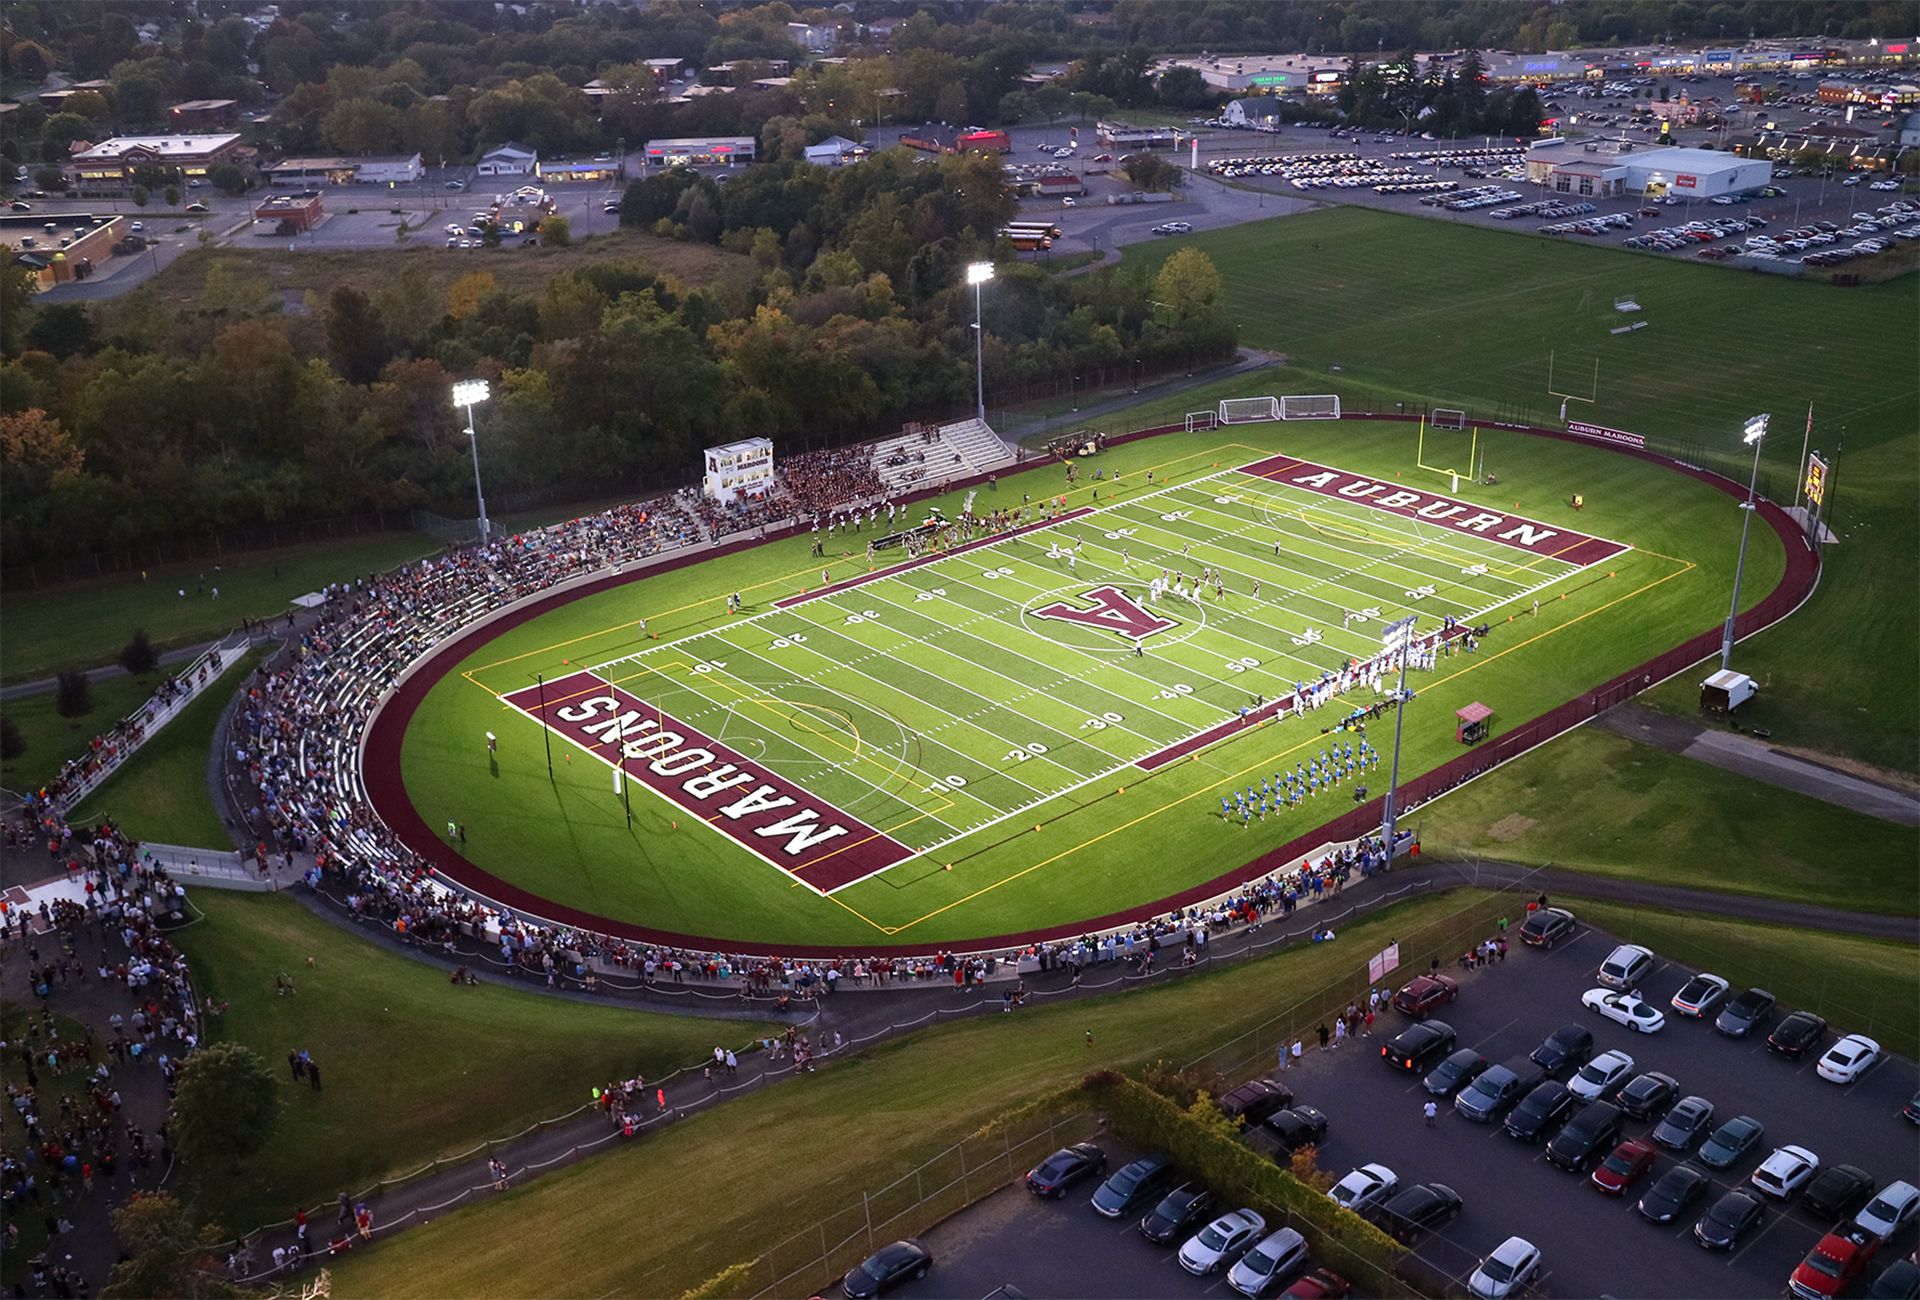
pixel 1111 618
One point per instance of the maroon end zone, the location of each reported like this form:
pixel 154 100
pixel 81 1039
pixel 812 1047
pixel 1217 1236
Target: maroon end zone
pixel 1516 531
pixel 894 570
pixel 777 821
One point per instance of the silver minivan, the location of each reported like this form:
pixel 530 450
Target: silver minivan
pixel 1626 966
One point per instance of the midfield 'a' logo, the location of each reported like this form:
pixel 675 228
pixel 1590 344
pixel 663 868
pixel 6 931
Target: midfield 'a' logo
pixel 1113 611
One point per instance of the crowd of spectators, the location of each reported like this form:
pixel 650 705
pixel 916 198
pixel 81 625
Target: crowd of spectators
pixel 821 482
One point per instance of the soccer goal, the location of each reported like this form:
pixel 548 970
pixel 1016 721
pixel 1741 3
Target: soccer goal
pixel 1201 420
pixel 1247 410
pixel 1445 419
pixel 1318 407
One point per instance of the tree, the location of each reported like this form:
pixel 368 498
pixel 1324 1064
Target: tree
pixel 228 179
pixel 58 132
pixel 140 196
pixel 73 695
pixel 16 291
pixel 225 1107
pixel 172 196
pixel 12 743
pixel 1190 285
pixel 138 656
pixel 1151 172
pixel 356 336
pixel 167 1253
pixel 555 230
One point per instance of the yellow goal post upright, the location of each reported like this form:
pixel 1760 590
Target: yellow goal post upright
pixel 1451 421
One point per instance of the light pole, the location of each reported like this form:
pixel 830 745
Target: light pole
pixel 1073 390
pixel 1396 636
pixel 978 273
pixel 1756 432
pixel 469 393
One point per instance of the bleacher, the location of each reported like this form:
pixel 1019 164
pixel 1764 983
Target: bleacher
pixel 979 446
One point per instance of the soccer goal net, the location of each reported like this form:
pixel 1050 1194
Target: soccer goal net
pixel 1200 420
pixel 1318 407
pixel 1441 418
pixel 1246 410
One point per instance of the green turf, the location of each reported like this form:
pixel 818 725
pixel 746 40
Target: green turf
pixel 1861 986
pixel 86 623
pixel 1604 804
pixel 1100 849
pixel 160 794
pixel 412 1068
pixel 53 740
pixel 1386 308
pixel 810 1147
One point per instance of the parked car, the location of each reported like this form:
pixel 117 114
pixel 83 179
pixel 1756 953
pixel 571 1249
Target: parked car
pixel 1834 1262
pixel 1540 1110
pixel 1566 1050
pixel 1746 1012
pixel 1648 1094
pixel 1885 1214
pixel 1547 926
pixel 1899 1281
pixel 1797 1035
pixel 886 1268
pixel 1673 1192
pixel 1277 1257
pixel 1786 1171
pixel 1837 1192
pixel 1699 995
pixel 1721 1227
pixel 1425 994
pixel 1286 1131
pixel 1601 1075
pixel 1594 1128
pixel 1730 1141
pixel 1498 1089
pixel 1177 1214
pixel 1061 1170
pixel 1454 1073
pixel 1143 1182
pixel 1368 1185
pixel 1415 1047
pixel 1624 1166
pixel 1419 1208
pixel 1320 1284
pixel 1847 1059
pixel 1511 1265
pixel 1254 1101
pixel 1685 1124
pixel 196 208
pixel 1626 966
pixel 1220 1241
pixel 1625 1009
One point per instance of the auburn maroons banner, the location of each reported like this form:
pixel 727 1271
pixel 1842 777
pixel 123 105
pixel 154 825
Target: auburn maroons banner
pixel 783 823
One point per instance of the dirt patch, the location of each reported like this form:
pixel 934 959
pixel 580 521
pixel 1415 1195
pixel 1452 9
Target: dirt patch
pixel 1511 827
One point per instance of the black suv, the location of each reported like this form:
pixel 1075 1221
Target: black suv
pixel 1286 1131
pixel 1419 1208
pixel 1415 1048
pixel 1566 1050
pixel 1593 1129
pixel 1252 1102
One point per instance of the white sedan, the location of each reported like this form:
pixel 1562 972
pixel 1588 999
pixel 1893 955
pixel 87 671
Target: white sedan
pixel 1786 1171
pixel 1625 1008
pixel 1847 1059
pixel 1885 1213
pixel 1367 1185
pixel 1220 1241
pixel 1598 1076
pixel 1506 1270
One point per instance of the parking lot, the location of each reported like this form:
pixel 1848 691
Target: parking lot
pixel 1592 1244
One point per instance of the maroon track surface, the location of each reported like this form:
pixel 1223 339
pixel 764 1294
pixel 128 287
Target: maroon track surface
pixel 386 789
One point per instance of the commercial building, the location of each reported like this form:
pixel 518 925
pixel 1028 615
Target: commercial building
pixel 1257 111
pixel 509 159
pixel 1612 168
pixel 285 214
pixel 600 168
pixel 1125 135
pixel 115 161
pixel 204 114
pixel 699 151
pixel 1312 73
pixel 68 251
pixel 835 150
pixel 390 169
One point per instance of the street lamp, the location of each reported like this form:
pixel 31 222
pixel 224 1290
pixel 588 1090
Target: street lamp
pixel 469 393
pixel 978 273
pixel 1073 390
pixel 1753 435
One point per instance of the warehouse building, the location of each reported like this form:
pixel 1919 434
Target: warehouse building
pixel 1614 168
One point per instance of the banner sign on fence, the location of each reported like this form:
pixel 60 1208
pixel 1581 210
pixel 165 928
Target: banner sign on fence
pixel 1382 963
pixel 1604 434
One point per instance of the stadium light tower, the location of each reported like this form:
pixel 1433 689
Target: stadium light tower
pixel 1754 434
pixel 1396 636
pixel 978 273
pixel 470 393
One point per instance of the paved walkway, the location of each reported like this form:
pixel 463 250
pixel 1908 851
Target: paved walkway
pixel 183 655
pixel 1762 762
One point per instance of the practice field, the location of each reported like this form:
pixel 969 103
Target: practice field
pixel 1019 733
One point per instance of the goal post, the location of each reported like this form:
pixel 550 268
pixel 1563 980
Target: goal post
pixel 1442 418
pixel 1322 406
pixel 1248 410
pixel 1201 420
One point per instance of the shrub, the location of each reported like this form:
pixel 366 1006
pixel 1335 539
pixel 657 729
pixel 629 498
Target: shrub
pixel 12 743
pixel 73 697
pixel 138 656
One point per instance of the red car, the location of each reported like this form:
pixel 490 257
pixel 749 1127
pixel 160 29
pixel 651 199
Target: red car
pixel 1834 1263
pixel 1627 1165
pixel 1318 1285
pixel 1426 993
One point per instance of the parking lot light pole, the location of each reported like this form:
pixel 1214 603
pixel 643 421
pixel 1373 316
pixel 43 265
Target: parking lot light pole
pixel 469 393
pixel 1754 435
pixel 1397 635
pixel 978 273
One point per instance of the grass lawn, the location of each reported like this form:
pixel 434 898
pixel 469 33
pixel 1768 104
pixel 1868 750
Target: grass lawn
pixel 84 624
pixel 1593 801
pixel 1862 986
pixel 1387 308
pixel 161 794
pixel 52 739
pixel 790 1155
pixel 413 1068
